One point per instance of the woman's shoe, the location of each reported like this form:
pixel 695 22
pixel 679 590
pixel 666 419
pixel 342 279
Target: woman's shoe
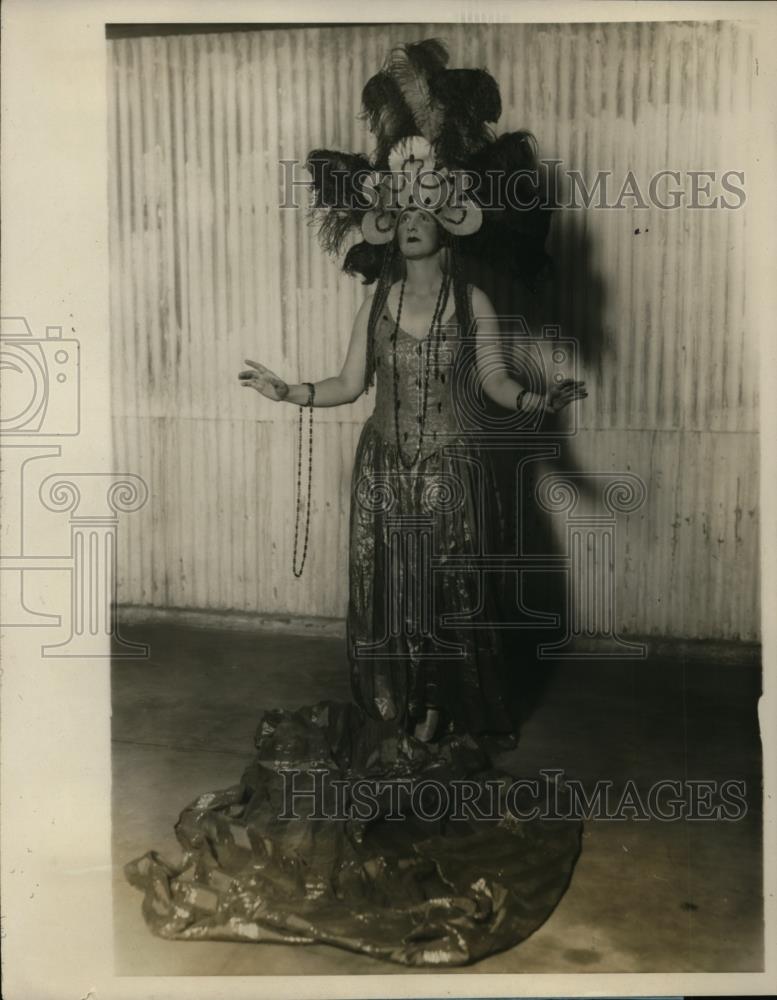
pixel 426 729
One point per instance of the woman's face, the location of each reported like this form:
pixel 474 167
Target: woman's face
pixel 418 233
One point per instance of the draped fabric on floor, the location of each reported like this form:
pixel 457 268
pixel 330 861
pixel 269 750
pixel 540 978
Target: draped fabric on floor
pixel 421 889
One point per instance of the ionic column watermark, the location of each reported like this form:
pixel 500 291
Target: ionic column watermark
pixel 589 562
pixel 94 501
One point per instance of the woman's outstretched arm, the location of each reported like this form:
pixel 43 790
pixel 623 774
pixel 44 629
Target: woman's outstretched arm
pixel 335 391
pixel 496 380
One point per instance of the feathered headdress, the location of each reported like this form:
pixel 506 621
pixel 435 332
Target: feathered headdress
pixel 434 149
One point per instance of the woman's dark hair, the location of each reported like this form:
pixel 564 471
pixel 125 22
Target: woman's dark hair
pixel 385 281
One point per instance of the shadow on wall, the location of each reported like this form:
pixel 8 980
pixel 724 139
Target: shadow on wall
pixel 543 591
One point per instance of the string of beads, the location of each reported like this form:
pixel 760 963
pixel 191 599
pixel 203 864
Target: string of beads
pixel 432 340
pixel 311 397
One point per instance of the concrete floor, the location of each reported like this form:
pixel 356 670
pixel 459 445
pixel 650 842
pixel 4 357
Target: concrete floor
pixel 644 897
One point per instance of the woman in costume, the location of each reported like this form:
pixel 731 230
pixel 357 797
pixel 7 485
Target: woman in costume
pixel 437 889
pixel 412 460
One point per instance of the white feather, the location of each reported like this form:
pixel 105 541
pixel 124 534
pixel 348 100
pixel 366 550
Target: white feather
pixel 427 113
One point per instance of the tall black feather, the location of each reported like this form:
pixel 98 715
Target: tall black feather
pixel 470 98
pixel 387 115
pixel 337 178
pixel 339 203
pixel 517 205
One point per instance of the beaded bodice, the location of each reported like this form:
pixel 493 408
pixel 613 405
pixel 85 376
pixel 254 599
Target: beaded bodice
pixel 412 358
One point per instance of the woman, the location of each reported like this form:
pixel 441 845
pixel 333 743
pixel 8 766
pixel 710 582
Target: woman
pixel 411 451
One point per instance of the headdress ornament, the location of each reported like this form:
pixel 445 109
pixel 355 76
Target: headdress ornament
pixel 434 150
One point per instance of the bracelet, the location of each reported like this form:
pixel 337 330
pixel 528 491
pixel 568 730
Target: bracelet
pixel 311 393
pixel 519 399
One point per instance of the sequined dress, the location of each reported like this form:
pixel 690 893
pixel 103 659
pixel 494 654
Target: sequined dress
pixel 421 616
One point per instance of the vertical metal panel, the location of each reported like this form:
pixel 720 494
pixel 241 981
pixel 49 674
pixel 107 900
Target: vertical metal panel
pixel 208 269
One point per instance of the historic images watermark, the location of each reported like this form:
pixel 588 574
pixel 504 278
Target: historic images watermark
pixel 320 794
pixel 550 185
pixel 41 380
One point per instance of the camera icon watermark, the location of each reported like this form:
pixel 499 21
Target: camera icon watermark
pixel 41 381
pixel 537 362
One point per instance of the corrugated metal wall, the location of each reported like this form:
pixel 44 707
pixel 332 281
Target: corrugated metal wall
pixel 207 270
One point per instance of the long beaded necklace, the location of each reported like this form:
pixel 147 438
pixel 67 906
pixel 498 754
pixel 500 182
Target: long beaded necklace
pixel 298 573
pixel 434 332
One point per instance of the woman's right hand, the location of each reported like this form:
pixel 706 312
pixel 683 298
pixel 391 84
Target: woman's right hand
pixel 264 381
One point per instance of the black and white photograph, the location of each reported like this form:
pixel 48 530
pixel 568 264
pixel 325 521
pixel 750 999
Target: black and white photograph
pixel 385 513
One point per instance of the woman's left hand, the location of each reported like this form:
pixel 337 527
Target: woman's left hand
pixel 564 393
